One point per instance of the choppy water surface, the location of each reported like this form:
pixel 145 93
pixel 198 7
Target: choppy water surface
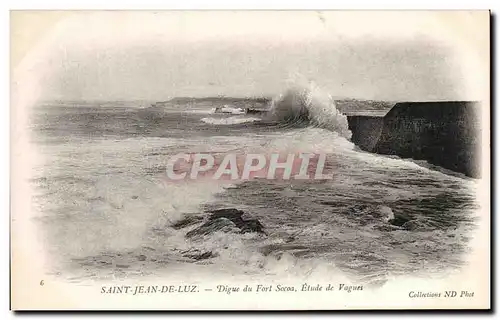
pixel 106 211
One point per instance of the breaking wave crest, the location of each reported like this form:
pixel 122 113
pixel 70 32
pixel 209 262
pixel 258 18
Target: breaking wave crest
pixel 309 106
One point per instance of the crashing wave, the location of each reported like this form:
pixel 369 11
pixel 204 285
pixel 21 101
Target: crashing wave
pixel 228 121
pixel 309 106
pixel 228 109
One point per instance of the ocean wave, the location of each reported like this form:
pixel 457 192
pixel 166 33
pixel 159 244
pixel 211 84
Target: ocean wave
pixel 309 139
pixel 198 111
pixel 229 121
pixel 309 106
pixel 228 109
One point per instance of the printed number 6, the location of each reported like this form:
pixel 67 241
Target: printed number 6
pixel 41 283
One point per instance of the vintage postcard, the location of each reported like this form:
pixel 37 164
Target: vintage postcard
pixel 250 160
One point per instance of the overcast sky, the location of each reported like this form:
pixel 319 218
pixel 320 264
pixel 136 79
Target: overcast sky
pixel 156 56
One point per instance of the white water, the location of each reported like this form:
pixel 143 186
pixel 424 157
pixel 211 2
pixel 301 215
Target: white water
pixel 104 199
pixel 312 104
pixel 229 120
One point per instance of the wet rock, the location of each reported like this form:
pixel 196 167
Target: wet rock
pixel 235 216
pixel 201 256
pixel 187 221
pixel 231 214
pixel 224 220
pixel 219 224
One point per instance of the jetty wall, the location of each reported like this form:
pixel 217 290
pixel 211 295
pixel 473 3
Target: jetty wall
pixel 445 133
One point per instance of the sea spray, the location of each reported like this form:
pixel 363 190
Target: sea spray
pixel 312 106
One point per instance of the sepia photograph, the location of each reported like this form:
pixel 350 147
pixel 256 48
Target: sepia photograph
pixel 250 160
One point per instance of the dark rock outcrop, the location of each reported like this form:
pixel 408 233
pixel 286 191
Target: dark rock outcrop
pixel 211 226
pixel 199 255
pixel 236 217
pixel 227 220
pixel 187 221
pixel 446 134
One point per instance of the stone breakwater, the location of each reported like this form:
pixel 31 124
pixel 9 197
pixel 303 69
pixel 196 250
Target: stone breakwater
pixel 447 134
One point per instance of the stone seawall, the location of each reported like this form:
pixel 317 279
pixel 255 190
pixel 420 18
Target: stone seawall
pixel 446 134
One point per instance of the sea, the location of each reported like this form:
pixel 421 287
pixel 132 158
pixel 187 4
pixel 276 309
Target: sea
pixel 106 211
